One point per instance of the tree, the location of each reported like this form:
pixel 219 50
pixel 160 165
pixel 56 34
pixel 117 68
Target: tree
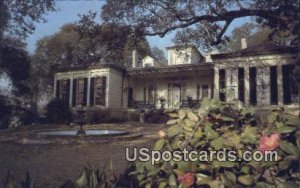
pixel 201 22
pixel 84 42
pixel 254 34
pixel 17 18
pixel 158 54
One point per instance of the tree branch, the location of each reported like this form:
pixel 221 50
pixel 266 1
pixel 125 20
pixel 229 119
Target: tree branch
pixel 226 16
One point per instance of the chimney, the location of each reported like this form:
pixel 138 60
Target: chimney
pixel 243 43
pixel 134 58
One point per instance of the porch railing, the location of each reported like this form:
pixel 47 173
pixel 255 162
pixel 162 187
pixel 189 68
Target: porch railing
pixel 141 104
pixel 149 105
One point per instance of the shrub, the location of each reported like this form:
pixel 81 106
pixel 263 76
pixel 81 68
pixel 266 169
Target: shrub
pixel 58 111
pixel 156 116
pixel 98 116
pixel 5 112
pixel 220 126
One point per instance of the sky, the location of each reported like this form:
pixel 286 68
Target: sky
pixel 68 12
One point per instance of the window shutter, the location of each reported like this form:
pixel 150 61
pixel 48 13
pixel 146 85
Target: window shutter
pixel 104 91
pixel 85 92
pixel 74 92
pixel 57 89
pixel 92 92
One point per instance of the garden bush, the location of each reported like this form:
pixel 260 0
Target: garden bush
pixel 230 127
pixel 98 116
pixel 58 111
pixel 156 116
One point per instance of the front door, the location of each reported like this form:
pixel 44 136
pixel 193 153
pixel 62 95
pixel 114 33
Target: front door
pixel 176 96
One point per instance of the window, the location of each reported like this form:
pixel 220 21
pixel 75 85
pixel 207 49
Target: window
pixel 151 94
pixel 222 84
pixel 241 85
pixel 273 85
pixel 81 91
pixel 147 65
pixel 63 90
pixel 205 91
pixel 183 91
pixel 145 94
pixel 252 75
pixel 290 92
pixel 100 90
pixel 198 92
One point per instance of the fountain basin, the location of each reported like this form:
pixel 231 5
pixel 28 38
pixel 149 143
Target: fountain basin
pixel 87 133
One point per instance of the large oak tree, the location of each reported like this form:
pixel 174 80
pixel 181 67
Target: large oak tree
pixel 204 21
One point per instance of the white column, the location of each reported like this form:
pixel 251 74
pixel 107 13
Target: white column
pixel 247 85
pixel 54 89
pixel 216 83
pixel 71 91
pixel 279 84
pixel 88 92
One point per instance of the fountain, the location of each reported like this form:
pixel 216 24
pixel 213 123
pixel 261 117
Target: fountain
pixel 80 121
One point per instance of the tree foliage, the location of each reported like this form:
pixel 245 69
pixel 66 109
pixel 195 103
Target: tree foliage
pixel 18 17
pixel 200 22
pixel 254 34
pixel 158 54
pixel 82 43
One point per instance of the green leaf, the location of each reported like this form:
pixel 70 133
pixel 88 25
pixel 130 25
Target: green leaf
pixel 294 121
pixel 189 123
pixel 217 143
pixel 286 163
pixel 203 179
pixel 82 181
pixel 225 118
pixel 173 131
pixel 192 116
pixel 226 180
pixel 210 133
pixel 263 185
pixel 162 184
pixel 226 164
pixel 172 180
pixel 172 122
pixel 289 148
pixel 289 184
pixel 173 115
pixel 184 166
pixel 286 129
pixel 245 169
pixel 246 180
pixel 181 114
pixel 159 144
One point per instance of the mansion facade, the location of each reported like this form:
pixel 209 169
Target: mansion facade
pixel 260 76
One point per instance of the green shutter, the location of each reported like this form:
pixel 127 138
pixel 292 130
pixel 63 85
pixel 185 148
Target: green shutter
pixel 92 92
pixel 85 92
pixel 57 89
pixel 74 92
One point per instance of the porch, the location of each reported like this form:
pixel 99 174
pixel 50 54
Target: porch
pixel 170 87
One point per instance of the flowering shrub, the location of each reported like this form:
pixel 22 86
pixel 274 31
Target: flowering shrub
pixel 231 127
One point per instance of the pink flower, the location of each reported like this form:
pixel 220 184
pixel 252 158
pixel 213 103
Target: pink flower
pixel 269 143
pixel 188 179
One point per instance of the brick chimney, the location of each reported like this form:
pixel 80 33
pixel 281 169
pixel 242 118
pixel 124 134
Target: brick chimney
pixel 243 43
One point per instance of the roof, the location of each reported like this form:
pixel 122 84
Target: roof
pixel 185 46
pixel 260 49
pixel 205 67
pixel 67 67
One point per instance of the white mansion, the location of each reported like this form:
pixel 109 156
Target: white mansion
pixel 258 75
